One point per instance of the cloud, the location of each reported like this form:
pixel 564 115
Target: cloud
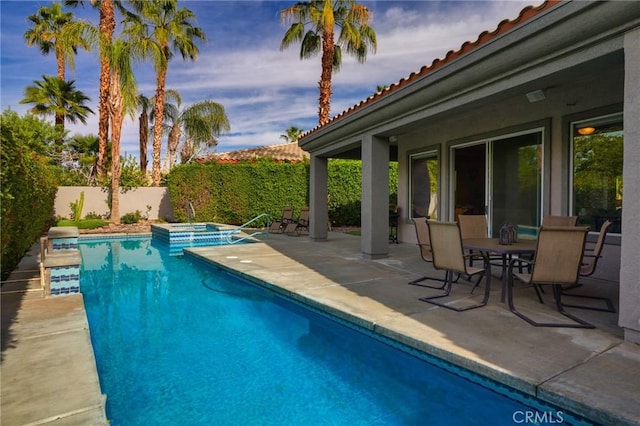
pixel 265 90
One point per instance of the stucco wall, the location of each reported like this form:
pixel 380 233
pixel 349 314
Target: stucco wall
pixel 561 104
pixel 95 201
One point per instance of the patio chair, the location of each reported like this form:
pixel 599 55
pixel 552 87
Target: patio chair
pixel 475 226
pixel 287 217
pixel 556 263
pixel 590 259
pixel 394 215
pixel 296 227
pixel 448 255
pixel 550 220
pixel 422 234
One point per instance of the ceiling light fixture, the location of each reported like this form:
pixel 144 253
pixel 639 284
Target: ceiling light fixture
pixel 584 131
pixel 535 96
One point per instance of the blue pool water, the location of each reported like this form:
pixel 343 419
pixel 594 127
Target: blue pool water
pixel 178 342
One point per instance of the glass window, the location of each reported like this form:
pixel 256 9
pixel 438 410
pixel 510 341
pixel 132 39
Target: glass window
pixel 501 178
pixel 517 180
pixel 423 185
pixel 597 171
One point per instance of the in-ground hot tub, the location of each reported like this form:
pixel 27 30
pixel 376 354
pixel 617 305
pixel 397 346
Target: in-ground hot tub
pixel 183 235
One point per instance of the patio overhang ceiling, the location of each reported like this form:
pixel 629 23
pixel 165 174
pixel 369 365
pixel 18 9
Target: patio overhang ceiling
pixel 560 43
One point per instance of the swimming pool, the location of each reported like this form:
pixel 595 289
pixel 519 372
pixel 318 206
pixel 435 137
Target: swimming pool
pixel 178 342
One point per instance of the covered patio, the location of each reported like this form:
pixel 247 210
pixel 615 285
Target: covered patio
pixel 529 87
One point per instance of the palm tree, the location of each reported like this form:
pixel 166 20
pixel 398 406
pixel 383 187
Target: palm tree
pixel 169 111
pixel 292 135
pixel 107 27
pixel 322 16
pixel 123 99
pixel 202 123
pixel 81 155
pixel 144 105
pixel 159 27
pixel 49 33
pixel 54 96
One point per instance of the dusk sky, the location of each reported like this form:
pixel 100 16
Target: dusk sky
pixel 264 90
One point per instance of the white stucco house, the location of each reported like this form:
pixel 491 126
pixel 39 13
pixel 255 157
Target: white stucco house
pixel 540 116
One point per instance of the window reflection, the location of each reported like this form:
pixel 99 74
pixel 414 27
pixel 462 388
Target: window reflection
pixel 597 172
pixel 424 185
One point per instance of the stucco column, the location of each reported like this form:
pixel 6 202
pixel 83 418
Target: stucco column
pixel 629 317
pixel 374 241
pixel 318 215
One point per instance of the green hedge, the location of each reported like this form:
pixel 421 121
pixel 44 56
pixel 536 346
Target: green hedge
pixel 236 193
pixel 28 193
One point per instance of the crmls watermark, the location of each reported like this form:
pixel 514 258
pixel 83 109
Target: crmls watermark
pixel 537 417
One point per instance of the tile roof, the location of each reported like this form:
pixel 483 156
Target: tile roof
pixel 484 37
pixel 286 152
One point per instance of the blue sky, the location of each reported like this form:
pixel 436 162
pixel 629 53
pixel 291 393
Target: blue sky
pixel 264 90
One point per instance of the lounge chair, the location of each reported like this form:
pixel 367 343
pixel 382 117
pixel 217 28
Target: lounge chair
pixel 557 262
pixel 287 217
pixel 296 227
pixel 448 255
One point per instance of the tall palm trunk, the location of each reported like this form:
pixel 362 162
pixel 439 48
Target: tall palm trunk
pixel 117 116
pixel 60 59
pixel 186 153
pixel 172 143
pixel 157 125
pixel 143 120
pixel 107 28
pixel 328 51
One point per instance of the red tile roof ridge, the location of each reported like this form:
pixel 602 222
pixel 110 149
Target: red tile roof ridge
pixel 505 25
pixel 290 151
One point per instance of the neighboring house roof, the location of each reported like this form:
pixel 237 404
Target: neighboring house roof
pixel 286 152
pixel 484 37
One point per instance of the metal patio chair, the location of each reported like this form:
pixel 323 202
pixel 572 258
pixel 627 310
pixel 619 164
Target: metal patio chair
pixel 448 255
pixel 422 235
pixel 590 259
pixel 551 220
pixel 475 226
pixel 556 263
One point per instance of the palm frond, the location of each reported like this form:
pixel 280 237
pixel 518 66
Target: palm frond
pixel 311 45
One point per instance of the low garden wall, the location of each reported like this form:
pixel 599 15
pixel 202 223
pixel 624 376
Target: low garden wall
pixel 152 202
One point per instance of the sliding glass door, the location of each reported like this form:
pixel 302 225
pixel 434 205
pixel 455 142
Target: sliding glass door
pixel 501 178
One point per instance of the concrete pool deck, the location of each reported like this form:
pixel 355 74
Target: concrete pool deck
pixel 590 372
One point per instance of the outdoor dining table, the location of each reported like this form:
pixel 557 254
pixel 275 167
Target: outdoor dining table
pixel 489 246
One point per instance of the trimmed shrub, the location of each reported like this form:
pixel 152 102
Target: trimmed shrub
pixel 84 223
pixel 28 190
pixel 236 193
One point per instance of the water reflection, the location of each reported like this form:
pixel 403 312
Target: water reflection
pixel 136 254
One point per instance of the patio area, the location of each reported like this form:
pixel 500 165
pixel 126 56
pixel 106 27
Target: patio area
pixel 586 371
pixel 590 372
